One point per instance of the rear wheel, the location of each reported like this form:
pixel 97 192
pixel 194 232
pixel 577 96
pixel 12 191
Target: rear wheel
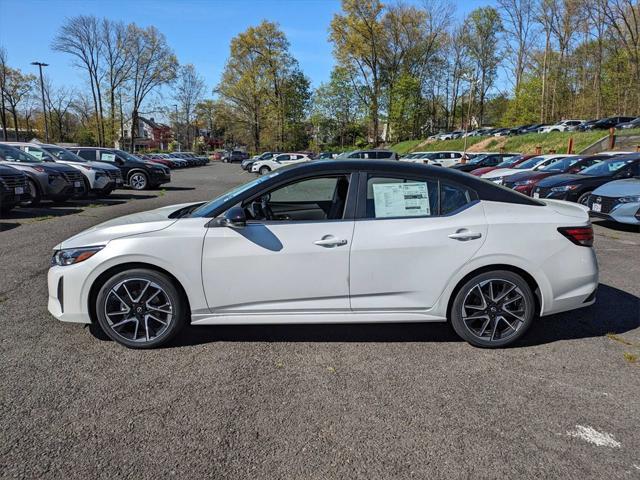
pixel 141 308
pixel 264 170
pixel 493 309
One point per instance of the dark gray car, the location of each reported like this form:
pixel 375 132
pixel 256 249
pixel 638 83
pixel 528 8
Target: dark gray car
pixel 46 181
pixel 13 188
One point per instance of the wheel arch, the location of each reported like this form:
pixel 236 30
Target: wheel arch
pixel 526 276
pixel 137 170
pixel 110 272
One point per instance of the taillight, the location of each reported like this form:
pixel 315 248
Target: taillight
pixel 579 235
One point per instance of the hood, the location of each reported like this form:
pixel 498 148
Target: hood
pixel 528 175
pixel 48 167
pixel 619 188
pixel 501 172
pixel 134 224
pixel 103 166
pixel 482 170
pixel 563 178
pixel 569 209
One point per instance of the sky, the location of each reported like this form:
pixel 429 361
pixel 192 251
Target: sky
pixel 199 31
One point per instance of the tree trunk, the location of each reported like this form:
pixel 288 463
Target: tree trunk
pixel 3 117
pixel 134 129
pixel 15 123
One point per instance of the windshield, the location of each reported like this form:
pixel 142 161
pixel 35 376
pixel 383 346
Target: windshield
pixel 13 154
pixel 532 162
pixel 66 155
pixel 127 156
pixel 217 202
pixel 608 167
pixel 509 162
pixel 561 165
pixel 477 159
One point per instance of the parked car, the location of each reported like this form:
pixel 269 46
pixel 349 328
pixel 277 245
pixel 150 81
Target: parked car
pixel 138 174
pixel 618 201
pixel 526 181
pixel 440 159
pixel 606 123
pixel 578 187
pixel 503 132
pixel 374 154
pixel 234 156
pixel 45 180
pixel 508 163
pixel 217 155
pixel 281 160
pixel 438 246
pixel 635 123
pixel 534 163
pixel 13 188
pixel 247 163
pixel 563 126
pixel 156 158
pixel 450 135
pixel 531 128
pixel 100 178
pixel 326 156
pixel 486 160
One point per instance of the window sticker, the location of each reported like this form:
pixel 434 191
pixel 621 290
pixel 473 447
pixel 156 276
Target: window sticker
pixel 35 153
pixel 401 199
pixel 109 157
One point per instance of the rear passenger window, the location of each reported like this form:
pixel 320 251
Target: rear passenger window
pixel 401 197
pixel 453 197
pixel 87 154
pixel 383 155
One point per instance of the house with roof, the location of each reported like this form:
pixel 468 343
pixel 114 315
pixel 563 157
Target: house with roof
pixel 150 135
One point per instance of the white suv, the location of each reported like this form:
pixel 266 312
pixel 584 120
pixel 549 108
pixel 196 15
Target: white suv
pixel 563 126
pixel 265 166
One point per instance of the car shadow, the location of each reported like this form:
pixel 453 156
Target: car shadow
pixel 175 189
pixel 41 212
pixel 128 196
pixel 621 227
pixel 615 311
pixel 5 227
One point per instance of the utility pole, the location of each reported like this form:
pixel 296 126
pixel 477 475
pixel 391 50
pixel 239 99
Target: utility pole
pixel 472 84
pixel 177 138
pixel 44 105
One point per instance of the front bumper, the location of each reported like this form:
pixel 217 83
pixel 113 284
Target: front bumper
pixel 65 293
pixel 59 188
pixel 158 178
pixel 628 213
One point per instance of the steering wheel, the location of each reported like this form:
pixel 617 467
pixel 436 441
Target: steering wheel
pixel 266 209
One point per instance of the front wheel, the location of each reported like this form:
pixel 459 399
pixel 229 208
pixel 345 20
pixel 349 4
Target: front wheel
pixel 583 199
pixel 139 181
pixel 141 308
pixel 264 170
pixel 493 309
pixel 34 195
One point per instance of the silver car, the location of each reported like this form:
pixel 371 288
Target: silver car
pixel 618 201
pixel 46 181
pixel 100 178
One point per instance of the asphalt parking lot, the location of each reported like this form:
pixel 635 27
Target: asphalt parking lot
pixel 320 401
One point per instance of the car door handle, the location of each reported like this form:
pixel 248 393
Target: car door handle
pixel 465 235
pixel 330 241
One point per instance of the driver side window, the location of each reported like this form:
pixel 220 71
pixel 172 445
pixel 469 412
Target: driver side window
pixel 312 199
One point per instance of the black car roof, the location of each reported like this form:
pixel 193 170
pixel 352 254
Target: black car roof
pixel 486 190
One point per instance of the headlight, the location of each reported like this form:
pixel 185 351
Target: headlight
pixel 86 167
pixel 53 177
pixel 70 256
pixel 100 174
pixel 565 188
pixel 524 182
pixel 629 199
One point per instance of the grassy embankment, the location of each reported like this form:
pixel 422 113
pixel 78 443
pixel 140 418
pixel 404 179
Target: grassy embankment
pixel 557 141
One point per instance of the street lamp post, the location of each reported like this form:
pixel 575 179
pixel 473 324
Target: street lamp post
pixel 177 138
pixel 44 105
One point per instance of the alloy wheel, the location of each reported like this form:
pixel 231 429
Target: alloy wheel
pixel 494 310
pixel 138 310
pixel 138 181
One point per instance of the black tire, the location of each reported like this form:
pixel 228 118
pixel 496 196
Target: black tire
pixel 87 188
pixel 106 193
pixel 139 181
pixel 264 170
pixel 34 192
pixel 489 327
pixel 6 208
pixel 123 335
pixel 583 199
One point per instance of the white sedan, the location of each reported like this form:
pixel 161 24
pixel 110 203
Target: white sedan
pixel 532 164
pixel 332 242
pixel 265 166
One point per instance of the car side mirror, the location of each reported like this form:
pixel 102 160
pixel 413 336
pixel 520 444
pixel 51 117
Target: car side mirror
pixel 232 218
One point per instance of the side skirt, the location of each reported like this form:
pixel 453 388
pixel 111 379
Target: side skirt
pixel 330 317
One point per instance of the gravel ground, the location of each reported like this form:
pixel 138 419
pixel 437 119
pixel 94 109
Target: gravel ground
pixel 332 401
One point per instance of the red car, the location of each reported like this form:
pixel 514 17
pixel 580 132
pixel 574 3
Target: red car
pixel 509 163
pixel 152 158
pixel 526 181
